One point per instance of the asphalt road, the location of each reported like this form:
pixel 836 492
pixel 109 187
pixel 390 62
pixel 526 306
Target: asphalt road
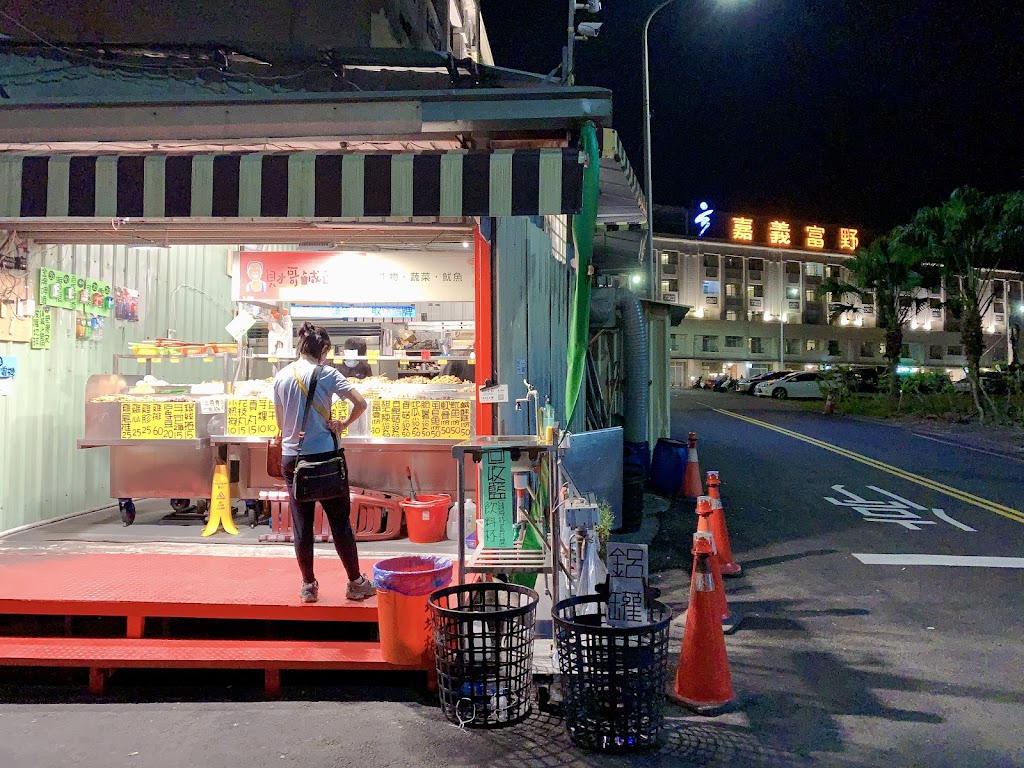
pixel 849 662
pixel 837 661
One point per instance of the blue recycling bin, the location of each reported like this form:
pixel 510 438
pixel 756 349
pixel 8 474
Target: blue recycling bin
pixel 667 467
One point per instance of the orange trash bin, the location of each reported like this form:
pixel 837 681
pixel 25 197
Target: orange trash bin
pixel 403 586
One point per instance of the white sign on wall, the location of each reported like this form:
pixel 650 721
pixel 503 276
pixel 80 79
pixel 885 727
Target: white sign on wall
pixel 352 277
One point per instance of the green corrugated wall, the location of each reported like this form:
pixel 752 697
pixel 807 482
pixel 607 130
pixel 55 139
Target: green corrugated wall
pixel 42 474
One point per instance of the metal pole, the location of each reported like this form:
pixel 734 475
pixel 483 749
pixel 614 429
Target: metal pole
pixel 782 303
pixel 569 65
pixel 648 183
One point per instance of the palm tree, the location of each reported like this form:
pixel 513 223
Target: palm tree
pixel 889 273
pixel 967 235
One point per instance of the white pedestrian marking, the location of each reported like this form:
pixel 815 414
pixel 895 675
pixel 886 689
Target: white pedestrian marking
pixel 898 510
pixel 962 561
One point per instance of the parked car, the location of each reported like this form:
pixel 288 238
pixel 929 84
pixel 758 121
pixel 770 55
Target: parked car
pixel 804 384
pixel 747 384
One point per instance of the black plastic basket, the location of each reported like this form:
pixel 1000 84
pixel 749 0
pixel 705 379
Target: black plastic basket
pixel 483 646
pixel 613 679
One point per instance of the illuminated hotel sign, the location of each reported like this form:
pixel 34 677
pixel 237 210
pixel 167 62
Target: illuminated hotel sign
pixel 778 233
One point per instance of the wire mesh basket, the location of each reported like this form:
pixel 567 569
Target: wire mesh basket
pixel 483 645
pixel 613 679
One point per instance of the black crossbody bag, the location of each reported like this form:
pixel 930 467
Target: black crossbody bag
pixel 318 480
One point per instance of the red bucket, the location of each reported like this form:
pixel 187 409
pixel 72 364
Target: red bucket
pixel 426 517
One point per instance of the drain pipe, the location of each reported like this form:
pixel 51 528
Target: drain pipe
pixel 607 303
pixel 618 307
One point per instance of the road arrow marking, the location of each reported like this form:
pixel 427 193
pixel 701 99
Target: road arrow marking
pixel 951 560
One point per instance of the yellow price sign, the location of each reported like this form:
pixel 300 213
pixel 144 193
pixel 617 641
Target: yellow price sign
pixel 158 421
pixel 251 417
pixel 421 419
pixel 373 355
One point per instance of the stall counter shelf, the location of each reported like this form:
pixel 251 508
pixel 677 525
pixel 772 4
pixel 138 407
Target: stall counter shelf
pixel 167 445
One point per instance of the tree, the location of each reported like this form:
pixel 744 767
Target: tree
pixel 889 274
pixel 968 235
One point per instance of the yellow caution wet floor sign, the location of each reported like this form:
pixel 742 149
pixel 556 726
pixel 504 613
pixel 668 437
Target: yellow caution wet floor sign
pixel 220 503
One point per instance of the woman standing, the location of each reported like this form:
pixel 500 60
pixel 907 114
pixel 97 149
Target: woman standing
pixel 317 443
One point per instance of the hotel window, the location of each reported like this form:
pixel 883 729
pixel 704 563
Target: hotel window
pixel 812 345
pixel 708 343
pixel 881 350
pixel 998 307
pixel 732 289
pixel 833 348
pixel 905 350
pixel 731 314
pixel 793 271
pixel 814 270
pixel 793 347
pixel 954 350
pixel 793 292
pixel 868 299
pixel 710 288
pixel 755 291
pixel 676 342
pixel 670 258
pixel 733 342
pixel 811 296
pixel 867 350
pixel 997 289
pixel 710 265
pixel 757 346
pixel 756 265
pixel 834 272
pixel 669 286
pixel 755 317
pixel 934 351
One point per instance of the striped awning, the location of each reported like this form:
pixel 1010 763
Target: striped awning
pixel 297 185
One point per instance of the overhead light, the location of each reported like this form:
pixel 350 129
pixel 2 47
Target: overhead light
pixel 637 278
pixel 465 243
pixel 767 316
pixel 992 328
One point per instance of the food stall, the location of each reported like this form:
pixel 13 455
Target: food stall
pixel 415 311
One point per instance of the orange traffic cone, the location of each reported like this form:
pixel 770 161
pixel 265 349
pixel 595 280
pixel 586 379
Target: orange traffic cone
pixel 703 681
pixel 704 509
pixel 692 487
pixel 718 527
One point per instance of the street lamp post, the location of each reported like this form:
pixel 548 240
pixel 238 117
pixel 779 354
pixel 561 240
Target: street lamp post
pixel 648 184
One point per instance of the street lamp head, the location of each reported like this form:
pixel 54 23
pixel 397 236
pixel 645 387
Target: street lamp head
pixel 589 29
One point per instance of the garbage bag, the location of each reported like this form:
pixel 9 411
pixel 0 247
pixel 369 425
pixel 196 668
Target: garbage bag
pixel 413 575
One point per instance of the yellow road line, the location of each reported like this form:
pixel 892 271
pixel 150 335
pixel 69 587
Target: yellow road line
pixel 969 498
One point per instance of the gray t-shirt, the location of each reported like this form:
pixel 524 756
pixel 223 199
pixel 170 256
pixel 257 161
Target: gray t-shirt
pixel 289 402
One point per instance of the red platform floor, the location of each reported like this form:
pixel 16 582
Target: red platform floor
pixel 179 586
pixel 141 586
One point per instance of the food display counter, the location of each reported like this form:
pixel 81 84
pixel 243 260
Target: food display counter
pixel 166 438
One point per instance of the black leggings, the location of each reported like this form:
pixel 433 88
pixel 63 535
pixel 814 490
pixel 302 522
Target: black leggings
pixel 337 512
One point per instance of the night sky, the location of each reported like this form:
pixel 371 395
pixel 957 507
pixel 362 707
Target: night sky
pixel 850 112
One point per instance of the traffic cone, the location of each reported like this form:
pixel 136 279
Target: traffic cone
pixel 724 548
pixel 704 510
pixel 703 681
pixel 692 487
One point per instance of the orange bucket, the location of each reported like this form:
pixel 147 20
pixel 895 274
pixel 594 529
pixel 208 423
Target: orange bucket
pixel 426 517
pixel 404 585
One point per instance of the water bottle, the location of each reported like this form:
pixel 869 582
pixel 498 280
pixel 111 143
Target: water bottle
pixel 453 520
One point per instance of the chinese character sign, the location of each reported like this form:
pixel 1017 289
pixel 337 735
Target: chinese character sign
pixel 421 419
pixel 779 233
pixel 67 291
pixel 158 421
pixel 8 366
pixel 498 494
pixel 742 229
pixel 848 240
pixel 251 417
pixel 41 329
pixel 627 581
pixel 815 237
pixel 352 277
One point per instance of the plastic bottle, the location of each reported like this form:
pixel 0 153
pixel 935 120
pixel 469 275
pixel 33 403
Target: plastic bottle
pixel 453 520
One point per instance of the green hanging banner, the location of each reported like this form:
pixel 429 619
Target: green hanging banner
pixel 583 226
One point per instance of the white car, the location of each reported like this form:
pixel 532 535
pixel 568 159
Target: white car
pixel 803 384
